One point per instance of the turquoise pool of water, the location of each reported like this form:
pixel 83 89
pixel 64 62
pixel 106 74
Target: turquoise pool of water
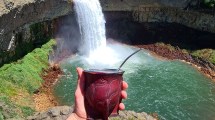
pixel 172 89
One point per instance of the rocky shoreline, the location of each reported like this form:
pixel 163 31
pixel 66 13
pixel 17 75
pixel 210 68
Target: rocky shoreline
pixel 170 52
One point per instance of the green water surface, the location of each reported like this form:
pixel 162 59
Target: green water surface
pixel 172 89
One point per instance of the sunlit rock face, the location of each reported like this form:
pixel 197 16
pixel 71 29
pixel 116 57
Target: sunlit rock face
pixel 16 16
pixel 128 5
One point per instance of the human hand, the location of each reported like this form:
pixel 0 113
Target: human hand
pixel 80 111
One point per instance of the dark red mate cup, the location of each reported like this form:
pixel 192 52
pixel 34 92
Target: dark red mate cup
pixel 102 92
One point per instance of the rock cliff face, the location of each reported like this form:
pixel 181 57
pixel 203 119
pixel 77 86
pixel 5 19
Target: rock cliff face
pixel 17 16
pixel 196 20
pixel 129 5
pixel 18 35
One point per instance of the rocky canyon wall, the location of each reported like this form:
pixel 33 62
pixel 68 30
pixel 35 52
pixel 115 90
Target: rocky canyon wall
pixel 129 5
pixel 192 19
pixel 16 18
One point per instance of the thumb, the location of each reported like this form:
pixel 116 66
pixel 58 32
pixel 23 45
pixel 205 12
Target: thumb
pixel 79 71
pixel 81 79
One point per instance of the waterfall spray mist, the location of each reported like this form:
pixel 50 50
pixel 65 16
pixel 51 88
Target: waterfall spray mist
pixel 67 38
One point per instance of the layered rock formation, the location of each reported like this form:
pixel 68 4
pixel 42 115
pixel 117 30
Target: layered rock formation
pixel 130 5
pixel 192 19
pixel 17 36
pixel 17 16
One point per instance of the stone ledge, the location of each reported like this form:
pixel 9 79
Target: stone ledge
pixel 62 112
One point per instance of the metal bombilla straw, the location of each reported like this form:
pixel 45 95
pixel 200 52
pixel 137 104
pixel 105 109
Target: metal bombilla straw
pixel 128 58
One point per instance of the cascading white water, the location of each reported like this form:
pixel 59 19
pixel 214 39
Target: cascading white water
pixel 92 28
pixel 92 25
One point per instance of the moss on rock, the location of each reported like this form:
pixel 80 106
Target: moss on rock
pixel 21 78
pixel 208 54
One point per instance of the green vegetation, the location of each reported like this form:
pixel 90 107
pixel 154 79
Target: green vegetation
pixel 1 116
pixel 40 33
pixel 25 73
pixel 27 111
pixel 208 54
pixel 22 78
pixel 209 3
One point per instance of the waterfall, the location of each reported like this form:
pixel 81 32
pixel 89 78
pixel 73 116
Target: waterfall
pixel 92 28
pixel 92 25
